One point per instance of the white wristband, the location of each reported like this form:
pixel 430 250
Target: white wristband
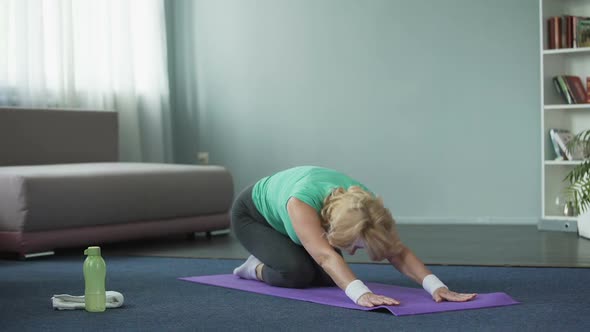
pixel 432 283
pixel 356 289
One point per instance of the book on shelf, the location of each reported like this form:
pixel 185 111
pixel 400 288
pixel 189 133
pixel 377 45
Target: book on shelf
pixel 554 25
pixel 568 42
pixel 568 31
pixel 571 89
pixel 562 89
pixel 575 85
pixel 559 140
pixel 583 32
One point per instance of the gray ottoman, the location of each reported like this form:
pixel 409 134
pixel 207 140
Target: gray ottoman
pixel 53 206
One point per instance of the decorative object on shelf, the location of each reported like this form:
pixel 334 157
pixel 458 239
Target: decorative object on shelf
pixel 560 139
pixel 569 210
pixel 578 178
pixel 559 153
pixel 564 205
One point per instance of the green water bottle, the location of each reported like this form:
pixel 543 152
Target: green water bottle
pixel 95 271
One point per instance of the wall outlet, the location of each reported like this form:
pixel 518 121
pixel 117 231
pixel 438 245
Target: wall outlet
pixel 203 158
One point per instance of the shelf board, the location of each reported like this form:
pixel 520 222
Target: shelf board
pixel 560 218
pixel 563 162
pixel 567 51
pixel 567 107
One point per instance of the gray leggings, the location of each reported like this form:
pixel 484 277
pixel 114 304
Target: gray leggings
pixel 286 264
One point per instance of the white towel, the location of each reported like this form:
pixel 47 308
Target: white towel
pixel 71 302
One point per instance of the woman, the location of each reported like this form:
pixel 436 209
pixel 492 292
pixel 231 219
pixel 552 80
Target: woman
pixel 296 222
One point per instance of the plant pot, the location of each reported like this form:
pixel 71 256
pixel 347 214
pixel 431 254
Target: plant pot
pixel 584 224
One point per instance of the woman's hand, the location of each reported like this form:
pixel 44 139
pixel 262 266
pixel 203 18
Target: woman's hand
pixel 370 300
pixel 444 294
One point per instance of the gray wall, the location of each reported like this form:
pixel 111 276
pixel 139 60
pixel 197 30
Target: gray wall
pixel 432 104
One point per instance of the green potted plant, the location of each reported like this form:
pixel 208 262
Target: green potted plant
pixel 578 179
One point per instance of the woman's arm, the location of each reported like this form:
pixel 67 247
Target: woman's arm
pixel 307 225
pixel 410 265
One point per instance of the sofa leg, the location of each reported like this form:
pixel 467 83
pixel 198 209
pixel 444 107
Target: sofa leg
pixel 192 236
pixel 24 256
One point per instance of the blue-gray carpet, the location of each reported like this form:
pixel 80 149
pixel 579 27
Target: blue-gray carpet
pixel 552 299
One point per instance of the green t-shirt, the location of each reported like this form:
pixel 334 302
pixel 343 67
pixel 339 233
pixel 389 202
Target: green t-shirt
pixel 310 184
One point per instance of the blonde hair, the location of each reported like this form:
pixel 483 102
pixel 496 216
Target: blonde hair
pixel 354 214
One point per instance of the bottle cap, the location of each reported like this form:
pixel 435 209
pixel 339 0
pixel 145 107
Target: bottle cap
pixel 92 251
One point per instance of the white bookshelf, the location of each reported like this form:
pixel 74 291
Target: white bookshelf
pixel 567 107
pixel 567 51
pixel 563 162
pixel 554 114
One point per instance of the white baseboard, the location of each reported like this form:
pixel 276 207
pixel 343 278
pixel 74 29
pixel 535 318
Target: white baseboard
pixel 466 220
pixel 558 225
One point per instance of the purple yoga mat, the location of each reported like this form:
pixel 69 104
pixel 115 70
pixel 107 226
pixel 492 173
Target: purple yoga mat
pixel 413 300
